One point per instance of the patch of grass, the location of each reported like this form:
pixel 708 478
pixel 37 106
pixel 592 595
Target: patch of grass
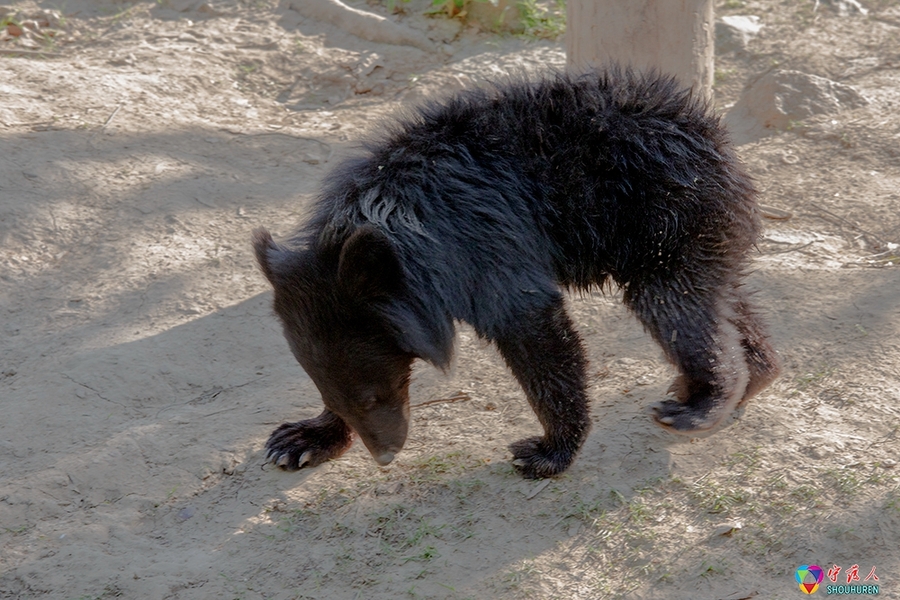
pixel 710 568
pixel 399 529
pixel 519 575
pixel 761 540
pixel 715 497
pixel 809 379
pixel 639 511
pixel 463 489
pixel 845 480
pixel 805 493
pixel 881 478
pixel 776 482
pixel 448 470
pixel 586 512
pixel 542 20
pixel 18 530
pixel 110 591
pixel 122 15
pixel 454 8
pixel 744 461
pixel 393 5
pixel 429 553
pixel 723 75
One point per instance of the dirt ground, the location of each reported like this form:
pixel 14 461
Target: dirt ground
pixel 142 370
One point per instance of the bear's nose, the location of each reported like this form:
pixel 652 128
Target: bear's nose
pixel 384 459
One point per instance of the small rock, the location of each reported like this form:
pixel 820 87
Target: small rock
pixel 889 463
pixel 733 33
pixel 186 513
pixel 819 452
pixel 27 42
pixel 389 489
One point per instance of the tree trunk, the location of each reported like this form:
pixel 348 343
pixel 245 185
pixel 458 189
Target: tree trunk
pixel 675 36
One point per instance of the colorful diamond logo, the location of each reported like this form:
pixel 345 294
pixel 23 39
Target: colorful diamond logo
pixel 809 577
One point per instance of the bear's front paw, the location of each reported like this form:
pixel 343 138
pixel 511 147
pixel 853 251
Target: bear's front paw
pixel 534 460
pixel 683 418
pixel 307 443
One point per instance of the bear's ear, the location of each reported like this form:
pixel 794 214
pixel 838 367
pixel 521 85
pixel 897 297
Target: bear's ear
pixel 429 337
pixel 369 269
pixel 368 266
pixel 268 254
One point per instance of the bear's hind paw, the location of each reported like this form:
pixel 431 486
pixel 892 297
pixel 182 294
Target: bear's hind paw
pixel 685 419
pixel 533 460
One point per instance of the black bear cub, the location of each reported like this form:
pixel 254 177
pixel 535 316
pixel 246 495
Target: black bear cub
pixel 479 209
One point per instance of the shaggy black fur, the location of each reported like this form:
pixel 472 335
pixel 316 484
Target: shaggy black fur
pixel 478 209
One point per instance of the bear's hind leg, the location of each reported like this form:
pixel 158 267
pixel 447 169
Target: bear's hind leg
pixel 697 330
pixel 545 354
pixel 762 360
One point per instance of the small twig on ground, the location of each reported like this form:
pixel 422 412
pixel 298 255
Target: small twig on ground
pixel 870 264
pixel 33 124
pixel 111 116
pixel 84 385
pixel 108 120
pixel 889 436
pixel 15 52
pixel 849 223
pixel 538 489
pixel 455 398
pixel 776 214
pixel 792 249
pixel 211 394
pixel 362 24
pixel 701 478
pixel 326 145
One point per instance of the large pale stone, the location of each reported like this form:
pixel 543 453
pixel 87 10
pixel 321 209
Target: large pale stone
pixel 781 98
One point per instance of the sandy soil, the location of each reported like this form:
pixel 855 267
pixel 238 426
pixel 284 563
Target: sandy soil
pixel 141 369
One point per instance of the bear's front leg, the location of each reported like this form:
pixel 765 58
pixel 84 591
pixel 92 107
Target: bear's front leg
pixel 309 443
pixel 545 354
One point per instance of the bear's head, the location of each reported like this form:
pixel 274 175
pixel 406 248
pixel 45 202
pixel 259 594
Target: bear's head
pixel 350 321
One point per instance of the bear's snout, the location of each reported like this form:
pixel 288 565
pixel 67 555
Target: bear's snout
pixel 384 459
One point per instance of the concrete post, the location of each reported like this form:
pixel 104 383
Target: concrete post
pixel 675 36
